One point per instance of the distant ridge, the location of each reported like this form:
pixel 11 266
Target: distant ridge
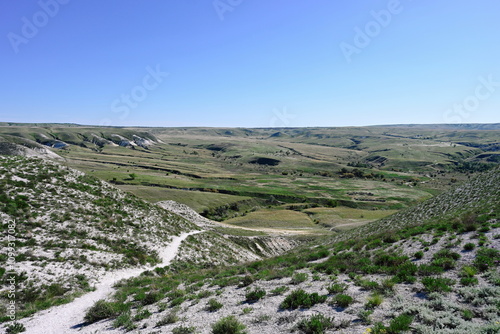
pixel 463 126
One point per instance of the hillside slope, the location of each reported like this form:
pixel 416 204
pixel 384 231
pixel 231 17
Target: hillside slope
pixel 69 229
pixel 478 196
pixel 64 232
pixel 435 272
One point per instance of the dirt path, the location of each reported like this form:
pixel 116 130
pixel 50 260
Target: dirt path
pixel 68 318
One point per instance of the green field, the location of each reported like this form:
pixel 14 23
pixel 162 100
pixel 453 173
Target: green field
pixel 342 177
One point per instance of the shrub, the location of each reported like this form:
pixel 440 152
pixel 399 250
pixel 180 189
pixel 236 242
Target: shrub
pixel 387 286
pixel 204 294
pixel 279 290
pixel 213 305
pixel 468 271
pixel 468 281
pixel 342 300
pixel 469 246
pixel 151 298
pixel 400 324
pixel 228 325
pixel 299 278
pixel 406 272
pixel 365 316
pixel 397 325
pixel 177 301
pixel 467 315
pixel 255 295
pixel 15 328
pixel 486 258
pixel 316 324
pixel 170 318
pixel 184 330
pixel 247 310
pixel 141 315
pixel 374 300
pixel 444 263
pixel 437 284
pixel 368 285
pixel 429 270
pixel 446 254
pixel 418 255
pixel 101 310
pixel 336 288
pixel 246 281
pixel 318 255
pixel 300 298
pixel 124 320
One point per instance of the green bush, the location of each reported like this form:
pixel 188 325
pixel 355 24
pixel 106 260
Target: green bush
pixel 444 263
pixel 397 325
pixel 204 294
pixel 318 255
pixel 279 290
pixel 300 298
pixel 400 324
pixel 342 300
pixel 374 300
pixel 246 281
pixel 316 324
pixel 15 328
pixel 368 285
pixel 429 270
pixel 177 301
pixel 124 320
pixel 213 305
pixel 299 278
pixel 418 255
pixel 141 315
pixel 184 330
pixel 228 325
pixel 446 254
pixel 437 284
pixel 469 246
pixel 486 258
pixel 336 288
pixel 365 316
pixel 468 281
pixel 255 295
pixel 170 318
pixel 151 298
pixel 101 310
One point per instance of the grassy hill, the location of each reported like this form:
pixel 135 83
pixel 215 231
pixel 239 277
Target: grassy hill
pixel 64 230
pixel 434 271
pixel 227 174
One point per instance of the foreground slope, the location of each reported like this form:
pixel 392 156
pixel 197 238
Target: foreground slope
pixel 437 272
pixel 70 229
pixel 66 233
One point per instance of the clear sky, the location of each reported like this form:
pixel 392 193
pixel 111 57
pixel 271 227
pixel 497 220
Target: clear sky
pixel 249 63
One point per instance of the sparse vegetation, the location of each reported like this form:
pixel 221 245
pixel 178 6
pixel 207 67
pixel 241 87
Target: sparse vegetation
pixel 228 325
pixel 301 299
pixel 446 247
pixel 316 324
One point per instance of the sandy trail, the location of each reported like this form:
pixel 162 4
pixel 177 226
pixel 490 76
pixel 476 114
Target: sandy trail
pixel 68 318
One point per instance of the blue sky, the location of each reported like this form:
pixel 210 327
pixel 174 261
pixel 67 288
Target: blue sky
pixel 249 63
